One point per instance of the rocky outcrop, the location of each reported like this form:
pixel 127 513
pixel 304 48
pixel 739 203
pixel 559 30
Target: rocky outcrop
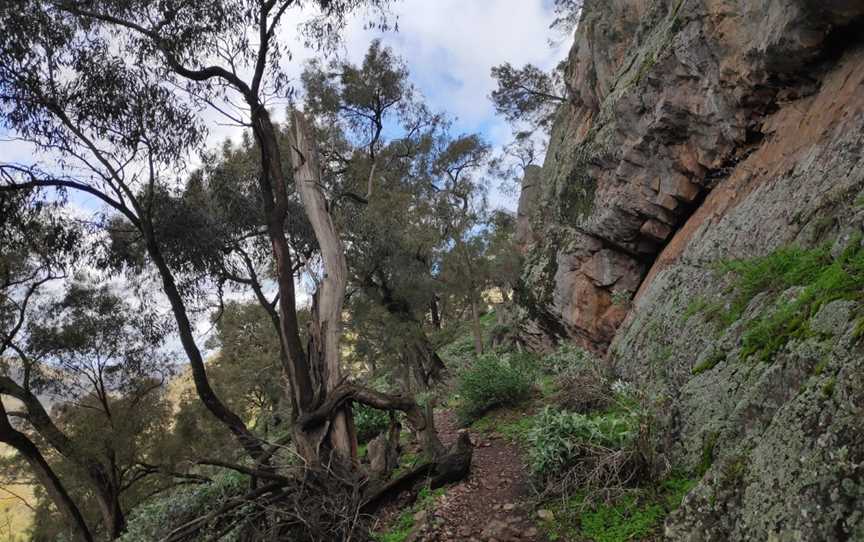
pixel 668 97
pixel 528 201
pixel 703 131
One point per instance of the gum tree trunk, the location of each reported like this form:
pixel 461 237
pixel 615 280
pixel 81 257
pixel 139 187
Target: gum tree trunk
pixel 326 325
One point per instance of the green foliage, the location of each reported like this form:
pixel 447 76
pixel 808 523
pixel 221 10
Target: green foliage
pixel 635 515
pixel 695 306
pixel 513 425
pixel 370 422
pixel 247 370
pixel 828 388
pixel 154 519
pixel 707 459
pixel 517 430
pixel 625 519
pixel 401 528
pixel 567 357
pixel 778 271
pixel 709 362
pixel 528 94
pixel 558 439
pixel 491 382
pixel 821 277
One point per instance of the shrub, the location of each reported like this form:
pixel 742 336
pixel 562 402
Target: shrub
pixel 559 439
pixel 584 388
pixel 370 422
pixel 154 519
pixel 491 382
pixel 567 358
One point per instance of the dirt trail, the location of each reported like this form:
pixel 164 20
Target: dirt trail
pixel 488 506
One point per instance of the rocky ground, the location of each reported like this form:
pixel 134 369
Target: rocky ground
pixel 489 506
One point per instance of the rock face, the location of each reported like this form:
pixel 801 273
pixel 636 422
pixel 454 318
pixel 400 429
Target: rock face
pixel 703 131
pixel 669 98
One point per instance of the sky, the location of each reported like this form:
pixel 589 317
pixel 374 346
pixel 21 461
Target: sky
pixel 449 47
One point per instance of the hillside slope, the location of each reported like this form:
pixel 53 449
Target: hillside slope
pixel 703 133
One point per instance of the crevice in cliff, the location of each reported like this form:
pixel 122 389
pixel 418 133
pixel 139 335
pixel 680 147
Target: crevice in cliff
pixel 842 39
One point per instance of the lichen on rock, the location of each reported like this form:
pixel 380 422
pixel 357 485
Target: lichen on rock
pixel 719 130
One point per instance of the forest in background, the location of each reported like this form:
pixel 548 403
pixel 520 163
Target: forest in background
pixel 114 251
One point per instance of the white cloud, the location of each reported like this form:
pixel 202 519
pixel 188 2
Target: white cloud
pixel 451 46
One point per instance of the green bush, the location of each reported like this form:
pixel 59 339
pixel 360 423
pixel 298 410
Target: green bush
pixel 558 439
pixel 154 519
pixel 491 382
pixel 370 422
pixel 567 357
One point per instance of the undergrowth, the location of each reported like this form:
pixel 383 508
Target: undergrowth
pixel 560 439
pixel 492 381
pixel 820 278
pixel 404 524
pixel 635 515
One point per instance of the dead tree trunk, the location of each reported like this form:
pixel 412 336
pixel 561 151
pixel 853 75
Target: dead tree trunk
pixel 325 328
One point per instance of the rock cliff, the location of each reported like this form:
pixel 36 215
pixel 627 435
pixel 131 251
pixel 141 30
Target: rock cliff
pixel 702 132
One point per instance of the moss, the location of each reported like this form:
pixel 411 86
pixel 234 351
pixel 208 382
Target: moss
pixel 822 226
pixel 695 306
pixel 709 362
pixel 537 282
pixel 513 425
pixel 858 332
pixel 623 520
pixel 517 430
pixel 407 461
pixel 670 28
pixel 576 197
pixel 821 366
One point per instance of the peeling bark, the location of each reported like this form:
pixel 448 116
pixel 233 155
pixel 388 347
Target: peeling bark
pixel 325 331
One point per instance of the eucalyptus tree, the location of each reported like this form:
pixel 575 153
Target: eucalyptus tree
pixel 97 359
pixel 34 253
pixel 528 96
pixel 404 184
pixel 113 87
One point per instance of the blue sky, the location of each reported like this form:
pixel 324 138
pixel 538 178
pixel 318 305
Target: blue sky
pixel 449 46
